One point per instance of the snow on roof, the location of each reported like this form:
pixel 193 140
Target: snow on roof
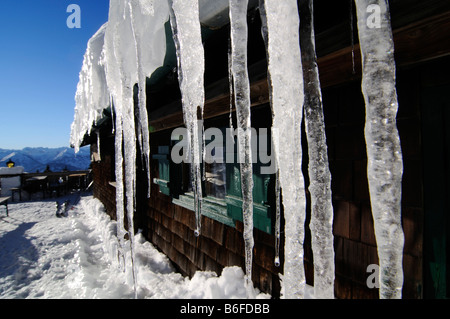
pixel 92 92
pixel 125 48
pixel 124 51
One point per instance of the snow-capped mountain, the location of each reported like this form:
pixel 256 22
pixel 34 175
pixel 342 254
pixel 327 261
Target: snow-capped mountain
pixel 37 158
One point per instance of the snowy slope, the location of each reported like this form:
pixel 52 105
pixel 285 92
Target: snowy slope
pixel 33 159
pixel 42 256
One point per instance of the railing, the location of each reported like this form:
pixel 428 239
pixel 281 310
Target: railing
pixel 50 184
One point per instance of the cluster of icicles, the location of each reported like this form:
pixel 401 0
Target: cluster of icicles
pixel 132 45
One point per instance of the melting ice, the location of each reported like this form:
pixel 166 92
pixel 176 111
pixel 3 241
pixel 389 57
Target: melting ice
pixel 241 84
pixel 319 173
pixel 286 76
pixel 191 67
pixel 385 164
pixel 128 49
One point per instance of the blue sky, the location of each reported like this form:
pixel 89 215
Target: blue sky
pixel 40 60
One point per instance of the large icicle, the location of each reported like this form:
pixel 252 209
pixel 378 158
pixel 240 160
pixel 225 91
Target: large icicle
pixel 285 68
pixel 239 36
pixel 133 29
pixel 123 53
pixel 319 173
pixel 113 76
pixel 385 164
pixel 148 18
pixel 184 19
pixel 120 72
pixel 120 210
pixel 277 225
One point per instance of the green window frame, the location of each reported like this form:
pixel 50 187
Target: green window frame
pixel 163 181
pixel 172 182
pixel 262 190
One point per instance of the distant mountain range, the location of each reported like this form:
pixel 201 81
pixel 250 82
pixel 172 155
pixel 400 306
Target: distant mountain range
pixel 36 159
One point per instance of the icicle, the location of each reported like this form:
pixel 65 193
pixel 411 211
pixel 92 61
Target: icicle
pixel 277 219
pixel 134 47
pixel 113 82
pixel 129 73
pixel 113 120
pixel 203 150
pixel 265 36
pixel 120 191
pixel 319 173
pixel 239 36
pixel 352 37
pixel 385 164
pixel 119 81
pixel 98 145
pixel 130 171
pixel 123 53
pixel 263 15
pixel 286 77
pixel 230 83
pixel 184 19
pixel 147 22
pixel 144 136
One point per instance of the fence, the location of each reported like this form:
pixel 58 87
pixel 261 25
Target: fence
pixel 47 184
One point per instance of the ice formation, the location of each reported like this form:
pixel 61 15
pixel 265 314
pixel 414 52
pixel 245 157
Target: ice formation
pixel 184 19
pixel 321 223
pixel 277 226
pixel 147 31
pixel 92 92
pixel 129 48
pixel 120 69
pixel 116 59
pixel 385 164
pixel 286 76
pixel 241 84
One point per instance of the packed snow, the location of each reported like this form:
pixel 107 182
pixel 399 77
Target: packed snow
pixel 75 257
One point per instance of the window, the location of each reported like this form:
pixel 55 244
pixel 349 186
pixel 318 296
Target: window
pixel 213 185
pixel 164 170
pixel 263 188
pixel 215 175
pixel 222 196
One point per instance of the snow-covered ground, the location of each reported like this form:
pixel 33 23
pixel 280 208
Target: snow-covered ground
pixel 43 256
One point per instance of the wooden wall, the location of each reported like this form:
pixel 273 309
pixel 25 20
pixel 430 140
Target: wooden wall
pixel 171 229
pixel 103 176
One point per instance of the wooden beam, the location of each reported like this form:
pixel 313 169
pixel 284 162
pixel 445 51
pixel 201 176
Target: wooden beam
pixel 219 105
pixel 423 41
pixel 418 42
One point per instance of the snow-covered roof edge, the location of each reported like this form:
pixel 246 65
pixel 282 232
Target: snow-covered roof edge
pixel 92 95
pixel 93 90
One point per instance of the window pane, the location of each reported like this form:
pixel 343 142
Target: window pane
pixel 215 183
